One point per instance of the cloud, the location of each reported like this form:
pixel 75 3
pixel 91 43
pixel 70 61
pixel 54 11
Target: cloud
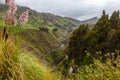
pixel 79 9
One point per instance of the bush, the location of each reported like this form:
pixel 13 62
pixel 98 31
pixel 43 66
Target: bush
pixel 54 29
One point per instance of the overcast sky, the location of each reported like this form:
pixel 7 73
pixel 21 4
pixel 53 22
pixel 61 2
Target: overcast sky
pixel 78 9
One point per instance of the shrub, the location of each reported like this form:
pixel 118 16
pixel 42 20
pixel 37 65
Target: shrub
pixel 55 29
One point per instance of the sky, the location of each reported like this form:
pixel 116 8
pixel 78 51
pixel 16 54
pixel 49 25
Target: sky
pixel 78 9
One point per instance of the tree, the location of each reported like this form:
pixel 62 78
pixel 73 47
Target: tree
pixel 104 38
pixel 114 19
pixel 77 46
pixel 102 27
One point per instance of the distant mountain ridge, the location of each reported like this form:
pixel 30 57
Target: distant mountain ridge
pixel 41 19
pixel 90 21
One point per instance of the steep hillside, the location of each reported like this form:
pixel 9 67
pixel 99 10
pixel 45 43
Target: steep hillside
pixel 40 19
pixel 42 42
pixel 39 42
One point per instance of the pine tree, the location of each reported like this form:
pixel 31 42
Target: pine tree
pixel 103 26
pixel 77 45
pixel 114 19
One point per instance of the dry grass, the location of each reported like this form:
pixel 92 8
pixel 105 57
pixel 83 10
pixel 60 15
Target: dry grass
pixel 10 67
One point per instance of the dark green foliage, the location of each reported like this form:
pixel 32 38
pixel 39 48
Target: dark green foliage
pixel 55 29
pixel 53 57
pixel 103 26
pixel 99 43
pixel 76 49
pixel 114 19
pixel 76 45
pixel 103 36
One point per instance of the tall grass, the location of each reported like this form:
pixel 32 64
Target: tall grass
pixel 34 70
pixel 10 67
pixel 16 64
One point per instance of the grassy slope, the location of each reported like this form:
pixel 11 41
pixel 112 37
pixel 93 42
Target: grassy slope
pixel 28 67
pixel 18 65
pixel 39 42
pixel 25 66
pixel 34 70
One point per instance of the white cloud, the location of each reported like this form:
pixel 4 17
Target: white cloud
pixel 96 2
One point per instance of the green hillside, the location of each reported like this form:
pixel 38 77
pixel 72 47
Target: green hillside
pixel 39 42
pixel 39 19
pixel 36 39
pixel 50 47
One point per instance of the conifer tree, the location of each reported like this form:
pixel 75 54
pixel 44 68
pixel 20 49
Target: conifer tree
pixel 77 45
pixel 103 26
pixel 114 19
